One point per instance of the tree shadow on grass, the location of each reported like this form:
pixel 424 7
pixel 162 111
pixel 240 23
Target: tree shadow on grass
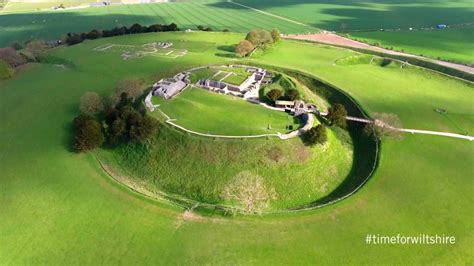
pixel 68 138
pixel 227 48
pixel 226 55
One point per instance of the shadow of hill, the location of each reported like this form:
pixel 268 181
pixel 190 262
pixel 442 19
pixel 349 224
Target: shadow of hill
pixel 49 26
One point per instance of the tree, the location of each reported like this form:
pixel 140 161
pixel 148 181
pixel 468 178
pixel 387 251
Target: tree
pixel 88 133
pixel 133 88
pixel 292 94
pixel 208 29
pixel 91 103
pixel 116 131
pixel 244 48
pixel 384 126
pixel 155 28
pixel 136 28
pixel 36 48
pixel 94 34
pixel 110 115
pixel 16 45
pixel 124 101
pixel 337 115
pixel 259 38
pixel 316 135
pixel 6 71
pixel 274 94
pixel 74 38
pixel 250 193
pixel 81 119
pixel 171 27
pixel 145 129
pixel 276 35
pixel 11 57
pixel 200 27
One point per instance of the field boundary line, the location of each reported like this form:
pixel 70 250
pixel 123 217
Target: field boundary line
pixel 269 14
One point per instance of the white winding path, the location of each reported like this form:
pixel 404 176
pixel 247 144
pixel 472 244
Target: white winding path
pixel 414 131
pixel 309 124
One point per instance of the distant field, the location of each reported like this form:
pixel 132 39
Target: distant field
pixel 52 24
pixel 206 112
pixel 28 6
pixel 340 15
pixel 452 44
pixel 351 16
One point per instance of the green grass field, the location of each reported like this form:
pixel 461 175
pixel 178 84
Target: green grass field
pixel 211 113
pixel 59 207
pixel 449 44
pixel 51 25
pixel 343 15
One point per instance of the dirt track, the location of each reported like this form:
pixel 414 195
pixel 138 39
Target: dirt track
pixel 331 38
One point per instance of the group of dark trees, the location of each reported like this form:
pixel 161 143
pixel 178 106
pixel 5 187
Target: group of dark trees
pixel 316 135
pixel 257 38
pixel 336 117
pixel 75 38
pixel 19 54
pixel 122 122
pixel 289 95
pixel 202 28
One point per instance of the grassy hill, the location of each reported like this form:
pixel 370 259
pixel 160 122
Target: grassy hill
pixel 59 207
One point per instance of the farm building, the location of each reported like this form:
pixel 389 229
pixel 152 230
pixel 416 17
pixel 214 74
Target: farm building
pixel 167 88
pixel 285 104
pixel 298 107
pixel 248 88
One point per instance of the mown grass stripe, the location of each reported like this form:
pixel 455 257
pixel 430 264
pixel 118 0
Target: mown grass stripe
pixel 175 9
pixel 230 17
pixel 259 20
pixel 213 21
pixel 160 17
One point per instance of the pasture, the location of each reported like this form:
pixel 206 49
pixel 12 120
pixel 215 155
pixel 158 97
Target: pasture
pixel 361 19
pixel 187 15
pixel 450 44
pixel 211 113
pixel 56 204
pixel 348 15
